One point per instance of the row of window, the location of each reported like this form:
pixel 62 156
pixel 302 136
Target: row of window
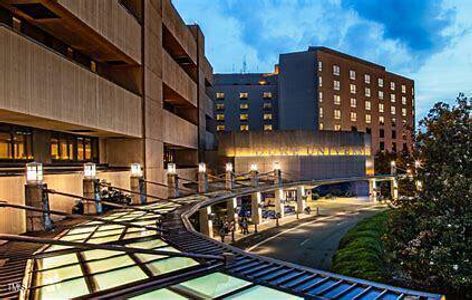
pixel 393 98
pixel 367 78
pixel 368 106
pixel 244 127
pixel 243 106
pixel 243 117
pixel 353 116
pixel 244 95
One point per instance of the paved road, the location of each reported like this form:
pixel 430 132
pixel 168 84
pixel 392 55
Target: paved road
pixel 314 243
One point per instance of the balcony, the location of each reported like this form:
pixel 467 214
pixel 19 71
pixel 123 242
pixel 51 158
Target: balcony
pixel 41 88
pixel 178 80
pixel 179 132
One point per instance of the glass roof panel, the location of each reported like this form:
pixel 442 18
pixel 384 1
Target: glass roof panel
pixel 213 285
pixel 119 277
pixel 83 229
pixel 106 239
pixel 141 233
pixel 109 227
pixel 148 244
pixel 107 232
pixel 75 237
pixel 262 292
pixel 170 264
pixel 159 294
pixel 56 247
pixel 65 290
pixel 97 254
pixel 59 274
pixel 56 261
pixel 110 263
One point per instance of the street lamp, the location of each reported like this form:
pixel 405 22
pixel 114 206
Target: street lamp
pixel 90 170
pixel 254 167
pixel 202 168
pixel 34 173
pixel 229 167
pixel 136 170
pixel 171 168
pixel 276 165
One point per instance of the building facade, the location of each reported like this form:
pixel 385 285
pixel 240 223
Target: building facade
pixel 322 89
pixel 113 81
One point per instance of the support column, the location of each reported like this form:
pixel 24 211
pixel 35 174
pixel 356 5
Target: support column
pixel 36 196
pixel 279 193
pixel 206 224
pixel 372 190
pixel 172 181
pixel 202 179
pixel 253 175
pixel 394 189
pixel 256 210
pixel 229 177
pixel 137 185
pixel 301 203
pixel 91 190
pixel 231 206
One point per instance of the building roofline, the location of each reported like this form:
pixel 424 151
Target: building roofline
pixel 344 55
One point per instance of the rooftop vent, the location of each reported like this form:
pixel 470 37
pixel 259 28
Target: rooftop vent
pixel 36 11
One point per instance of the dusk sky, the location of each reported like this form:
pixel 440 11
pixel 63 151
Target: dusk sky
pixel 428 41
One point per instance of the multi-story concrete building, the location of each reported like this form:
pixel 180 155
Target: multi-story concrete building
pixel 110 81
pixel 322 89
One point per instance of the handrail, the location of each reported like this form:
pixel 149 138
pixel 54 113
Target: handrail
pixel 165 185
pixel 138 193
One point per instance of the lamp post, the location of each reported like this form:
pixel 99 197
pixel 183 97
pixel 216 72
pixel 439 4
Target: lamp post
pixel 137 184
pixel 253 172
pixel 279 192
pixel 229 176
pixel 91 190
pixel 393 168
pixel 36 196
pixel 172 181
pixel 202 178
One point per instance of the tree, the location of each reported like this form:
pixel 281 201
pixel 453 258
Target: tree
pixel 429 238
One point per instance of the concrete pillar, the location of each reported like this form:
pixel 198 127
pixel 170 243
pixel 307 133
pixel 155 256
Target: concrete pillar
pixel 279 202
pixel 256 210
pixel 172 185
pixel 35 196
pixel 372 190
pixel 301 203
pixel 393 168
pixel 229 177
pixel 253 175
pixel 91 190
pixel 394 189
pixel 231 206
pixel 202 178
pixel 206 224
pixel 137 186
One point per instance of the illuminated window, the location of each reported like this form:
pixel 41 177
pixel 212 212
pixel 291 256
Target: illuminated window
pixel 220 117
pixel 267 95
pixel 337 99
pixel 392 110
pixel 320 81
pixel 72 148
pixel 368 118
pixel 382 120
pixel 243 95
pixel 403 100
pixel 321 112
pixel 267 116
pixel 243 106
pixel 403 88
pixel 267 105
pixel 320 65
pixel 336 85
pixel 353 116
pixel 243 127
pixel 220 106
pixel 336 70
pixel 367 78
pixel 352 88
pixel 337 127
pixel 15 143
pixel 320 96
pixel 337 114
pixel 392 98
pixel 220 95
pixel 243 117
pixel 367 92
pixel 380 82
pixel 267 127
pixel 404 112
pixel 392 86
pixel 321 126
pixel 381 95
pixel 352 74
pixel 353 102
pixel 368 105
pixel 381 107
pixel 220 127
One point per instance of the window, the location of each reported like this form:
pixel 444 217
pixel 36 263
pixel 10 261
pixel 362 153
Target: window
pixel 382 120
pixel 392 98
pixel 381 133
pixel 267 127
pixel 321 112
pixel 368 105
pixel 368 130
pixel 353 116
pixel 394 134
pixel 220 95
pixel 243 106
pixel 66 147
pixel 320 65
pixel 320 96
pixel 243 95
pixel 352 74
pixel 381 95
pixel 380 81
pixel 243 117
pixel 267 106
pixel 243 127
pixel 321 126
pixel 394 147
pixel 336 70
pixel 367 78
pixel 403 88
pixel 337 114
pixel 404 112
pixel 320 81
pixel 368 118
pixel 392 86
pixel 367 92
pixel 15 143
pixel 353 102
pixel 220 106
pixel 403 100
pixel 352 88
pixel 220 127
pixel 220 117
pixel 392 110
pixel 394 122
pixel 336 85
pixel 337 99
pixel 267 116
pixel 267 95
pixel 381 107
pixel 337 127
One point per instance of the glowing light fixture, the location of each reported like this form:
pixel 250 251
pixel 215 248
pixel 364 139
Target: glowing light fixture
pixel 276 165
pixel 171 168
pixel 136 170
pixel 34 172
pixel 202 168
pixel 90 170
pixel 229 167
pixel 417 164
pixel 253 167
pixel 392 163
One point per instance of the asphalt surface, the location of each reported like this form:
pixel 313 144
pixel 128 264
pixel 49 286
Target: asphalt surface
pixel 312 243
